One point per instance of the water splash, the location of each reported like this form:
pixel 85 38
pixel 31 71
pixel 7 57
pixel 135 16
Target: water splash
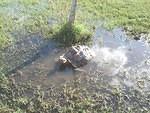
pixel 124 59
pixel 108 57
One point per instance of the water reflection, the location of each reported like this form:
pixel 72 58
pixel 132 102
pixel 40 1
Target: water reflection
pixel 119 58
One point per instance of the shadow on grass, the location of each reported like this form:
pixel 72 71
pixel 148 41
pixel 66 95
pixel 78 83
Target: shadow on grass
pixel 69 35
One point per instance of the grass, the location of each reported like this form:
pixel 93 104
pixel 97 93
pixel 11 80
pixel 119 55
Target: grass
pixel 69 35
pixel 131 14
pixel 81 95
pixel 33 15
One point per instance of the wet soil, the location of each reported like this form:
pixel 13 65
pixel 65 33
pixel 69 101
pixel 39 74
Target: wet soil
pixel 122 60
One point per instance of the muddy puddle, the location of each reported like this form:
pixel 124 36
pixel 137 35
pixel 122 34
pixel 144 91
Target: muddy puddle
pixel 123 61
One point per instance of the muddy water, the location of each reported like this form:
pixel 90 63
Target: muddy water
pixel 123 61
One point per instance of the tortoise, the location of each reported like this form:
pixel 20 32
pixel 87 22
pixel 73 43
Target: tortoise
pixel 76 56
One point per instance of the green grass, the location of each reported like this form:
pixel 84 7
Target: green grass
pixel 69 35
pixel 30 16
pixel 80 95
pixel 131 14
pixel 33 15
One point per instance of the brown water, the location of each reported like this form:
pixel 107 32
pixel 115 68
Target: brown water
pixel 118 57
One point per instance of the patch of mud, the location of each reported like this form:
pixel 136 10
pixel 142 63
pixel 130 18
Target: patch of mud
pixel 119 61
pixel 24 52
